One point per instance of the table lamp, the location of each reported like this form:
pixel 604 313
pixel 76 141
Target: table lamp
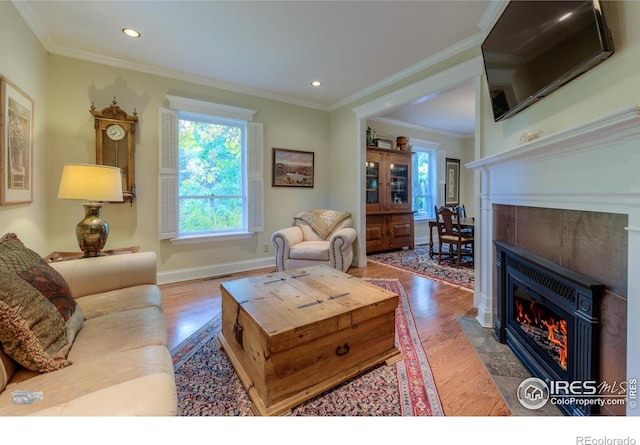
pixel 94 184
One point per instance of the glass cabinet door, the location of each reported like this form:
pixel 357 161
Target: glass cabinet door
pixel 399 192
pixel 373 181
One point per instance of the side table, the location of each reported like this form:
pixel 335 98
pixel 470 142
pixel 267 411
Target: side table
pixel 54 257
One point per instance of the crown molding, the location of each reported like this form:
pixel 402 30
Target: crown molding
pixel 34 24
pixel 440 81
pixel 459 47
pixel 187 77
pixel 491 15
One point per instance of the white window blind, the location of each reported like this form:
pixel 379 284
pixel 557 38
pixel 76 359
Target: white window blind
pixel 168 174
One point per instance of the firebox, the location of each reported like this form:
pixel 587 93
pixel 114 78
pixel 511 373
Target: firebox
pixel 549 316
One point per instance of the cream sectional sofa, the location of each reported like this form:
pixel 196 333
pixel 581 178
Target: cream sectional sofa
pixel 120 362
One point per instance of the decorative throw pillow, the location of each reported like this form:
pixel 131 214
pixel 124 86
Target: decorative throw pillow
pixel 39 318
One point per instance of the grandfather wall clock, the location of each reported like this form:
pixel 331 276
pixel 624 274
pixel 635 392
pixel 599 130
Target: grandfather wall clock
pixel 115 143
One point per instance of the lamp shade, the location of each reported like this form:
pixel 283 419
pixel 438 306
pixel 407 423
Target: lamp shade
pixel 90 182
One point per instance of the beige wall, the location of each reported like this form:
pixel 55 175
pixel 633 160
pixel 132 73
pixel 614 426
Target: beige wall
pixel 608 88
pixel 344 186
pixel 65 88
pixel 23 61
pixel 75 84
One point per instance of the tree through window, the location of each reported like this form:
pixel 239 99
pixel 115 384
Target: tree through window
pixel 210 177
pixel 210 187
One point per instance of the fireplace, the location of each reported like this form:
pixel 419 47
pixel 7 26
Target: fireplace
pixel 572 198
pixel 550 318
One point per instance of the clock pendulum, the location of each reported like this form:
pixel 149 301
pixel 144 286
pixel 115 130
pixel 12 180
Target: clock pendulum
pixel 116 133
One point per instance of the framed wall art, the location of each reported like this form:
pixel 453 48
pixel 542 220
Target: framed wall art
pixel 292 168
pixel 452 184
pixel 16 144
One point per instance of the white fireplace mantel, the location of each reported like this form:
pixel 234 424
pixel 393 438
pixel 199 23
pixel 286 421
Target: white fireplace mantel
pixel 594 134
pixel 591 167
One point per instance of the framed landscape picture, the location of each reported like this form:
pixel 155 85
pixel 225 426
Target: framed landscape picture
pixel 452 184
pixel 292 168
pixel 16 144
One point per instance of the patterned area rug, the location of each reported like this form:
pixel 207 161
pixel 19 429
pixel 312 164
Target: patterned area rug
pixel 207 384
pixel 417 261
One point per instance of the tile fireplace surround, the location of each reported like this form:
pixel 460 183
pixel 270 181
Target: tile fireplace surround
pixel 572 197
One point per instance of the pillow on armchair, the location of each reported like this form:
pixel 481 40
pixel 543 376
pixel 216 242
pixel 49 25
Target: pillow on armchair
pixel 321 223
pixel 39 317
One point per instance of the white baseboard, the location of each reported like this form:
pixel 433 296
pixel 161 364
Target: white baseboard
pixel 173 276
pixel 485 314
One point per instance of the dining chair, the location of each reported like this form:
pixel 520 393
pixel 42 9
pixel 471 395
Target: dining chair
pixel 450 233
pixel 461 214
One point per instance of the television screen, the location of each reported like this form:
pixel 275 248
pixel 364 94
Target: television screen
pixel 535 47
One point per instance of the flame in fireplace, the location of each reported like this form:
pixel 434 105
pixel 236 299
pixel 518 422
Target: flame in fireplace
pixel 558 327
pixel 536 322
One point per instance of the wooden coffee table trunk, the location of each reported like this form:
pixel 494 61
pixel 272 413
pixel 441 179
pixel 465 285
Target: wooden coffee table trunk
pixel 293 335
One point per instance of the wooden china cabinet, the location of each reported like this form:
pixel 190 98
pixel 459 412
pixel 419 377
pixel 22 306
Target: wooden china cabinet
pixel 388 196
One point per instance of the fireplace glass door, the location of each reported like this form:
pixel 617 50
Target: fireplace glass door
pixel 542 326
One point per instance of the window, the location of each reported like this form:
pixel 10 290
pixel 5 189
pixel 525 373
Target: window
pixel 210 181
pixel 210 186
pixel 424 187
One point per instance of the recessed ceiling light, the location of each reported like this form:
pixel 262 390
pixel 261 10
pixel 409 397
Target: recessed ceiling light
pixel 316 83
pixel 131 32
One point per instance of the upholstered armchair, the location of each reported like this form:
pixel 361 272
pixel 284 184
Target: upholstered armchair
pixel 316 237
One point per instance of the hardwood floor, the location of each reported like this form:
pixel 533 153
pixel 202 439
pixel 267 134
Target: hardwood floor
pixel 463 384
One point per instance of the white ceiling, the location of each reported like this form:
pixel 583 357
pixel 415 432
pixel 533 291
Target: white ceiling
pixel 449 112
pixel 274 49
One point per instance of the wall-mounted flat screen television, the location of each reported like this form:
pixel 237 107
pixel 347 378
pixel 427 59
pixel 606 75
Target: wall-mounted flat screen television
pixel 535 47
